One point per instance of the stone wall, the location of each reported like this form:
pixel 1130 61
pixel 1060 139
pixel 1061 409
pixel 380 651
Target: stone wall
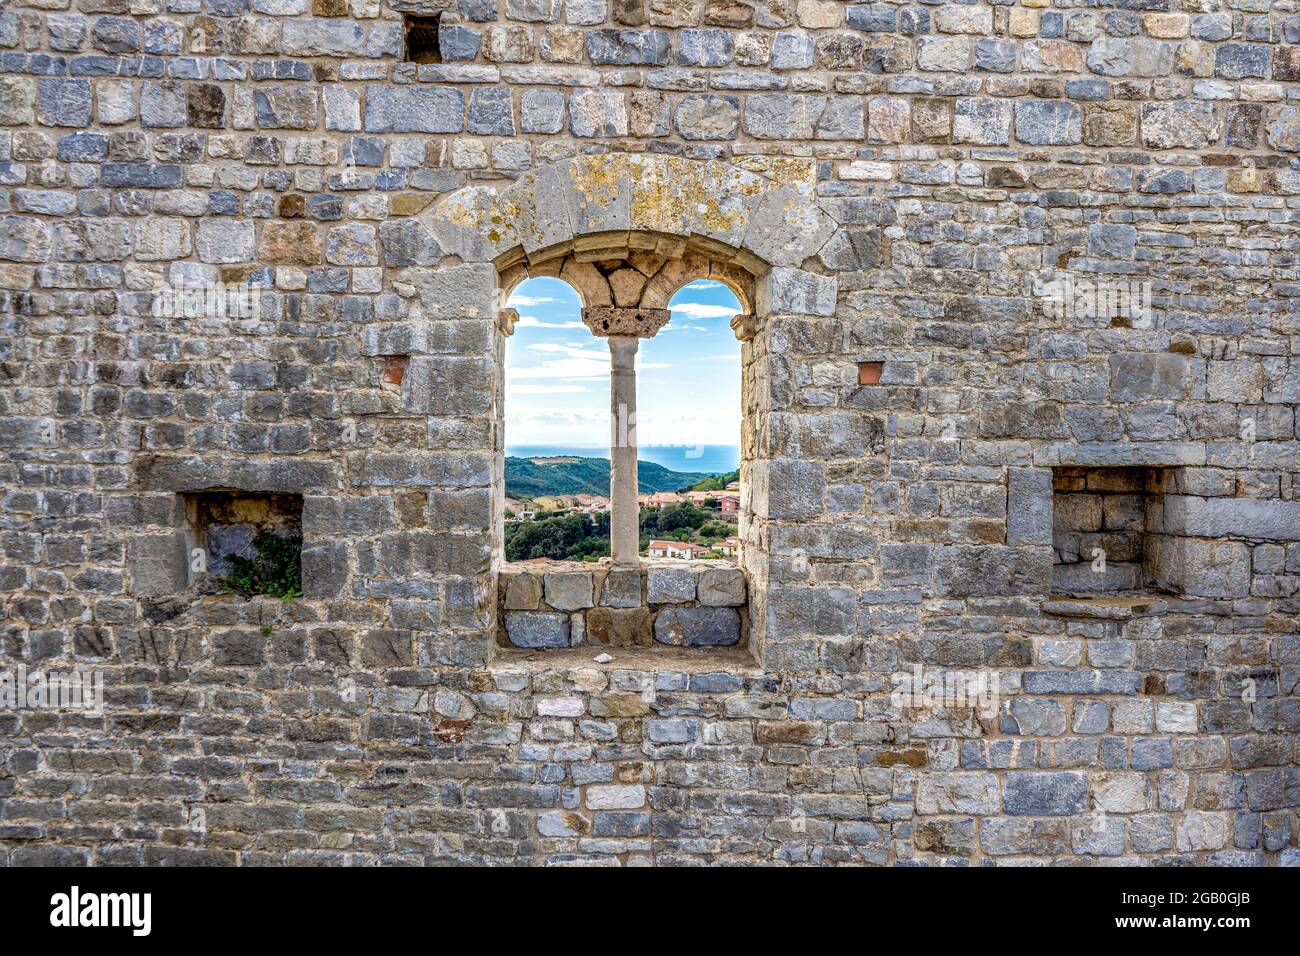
pixel 953 191
pixel 569 604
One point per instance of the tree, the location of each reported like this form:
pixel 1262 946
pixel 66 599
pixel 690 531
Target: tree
pixel 681 516
pixel 560 537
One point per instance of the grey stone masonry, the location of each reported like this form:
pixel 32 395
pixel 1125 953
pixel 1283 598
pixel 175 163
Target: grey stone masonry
pixel 987 253
pixel 681 603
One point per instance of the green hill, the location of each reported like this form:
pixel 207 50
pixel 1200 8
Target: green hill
pixel 714 482
pixel 525 478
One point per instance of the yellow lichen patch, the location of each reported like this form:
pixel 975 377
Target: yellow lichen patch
pixel 793 171
pixel 675 194
pixel 597 178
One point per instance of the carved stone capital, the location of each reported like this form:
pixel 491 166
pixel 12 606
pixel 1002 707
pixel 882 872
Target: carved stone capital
pixel 745 326
pixel 506 320
pixel 607 320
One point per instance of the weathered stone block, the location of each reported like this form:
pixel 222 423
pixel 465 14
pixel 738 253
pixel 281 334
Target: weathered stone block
pixel 1139 376
pixel 970 571
pixel 669 585
pixel 1189 125
pixel 537 629
pixel 404 109
pixel 1201 568
pixel 1029 507
pixel 598 113
pixel 620 627
pixel 722 587
pixel 627 47
pixel 325 568
pixel 568 590
pixel 616 796
pixel 1272 519
pixel 523 592
pixel 811 612
pixel 158 564
pixel 982 120
pixel 1048 122
pixel 958 793
pixel 708 116
pixel 621 588
pixel 697 626
pixel 1027 793
pixel 1198 830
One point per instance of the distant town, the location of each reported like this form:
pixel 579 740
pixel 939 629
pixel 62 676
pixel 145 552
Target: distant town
pixel 696 521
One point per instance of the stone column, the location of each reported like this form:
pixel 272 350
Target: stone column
pixel 624 524
pixel 624 328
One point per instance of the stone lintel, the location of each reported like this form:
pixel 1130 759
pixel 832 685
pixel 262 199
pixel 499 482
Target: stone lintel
pixel 607 320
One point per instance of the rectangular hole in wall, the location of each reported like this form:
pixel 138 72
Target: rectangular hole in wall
pixel 869 372
pixel 422 39
pixel 392 369
pixel 250 542
pixel 1106 529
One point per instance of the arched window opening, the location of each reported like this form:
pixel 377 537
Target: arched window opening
pixel 556 428
pixel 688 427
pixel 647 337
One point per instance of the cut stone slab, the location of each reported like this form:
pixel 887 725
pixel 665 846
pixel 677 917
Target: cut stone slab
pixel 722 587
pixel 537 629
pixel 698 626
pixel 621 588
pixel 670 585
pixel 523 592
pixel 569 590
pixel 1270 519
pixel 620 627
pixel 157 563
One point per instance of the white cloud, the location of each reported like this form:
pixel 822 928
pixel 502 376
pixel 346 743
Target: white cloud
pixel 570 361
pixel 698 428
pixel 581 349
pixel 572 368
pixel 699 310
pixel 518 301
pixel 521 389
pixel 526 426
pixel 533 322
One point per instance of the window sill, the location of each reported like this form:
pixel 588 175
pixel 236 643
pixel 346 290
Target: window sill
pixel 1111 607
pixel 562 606
pixel 659 659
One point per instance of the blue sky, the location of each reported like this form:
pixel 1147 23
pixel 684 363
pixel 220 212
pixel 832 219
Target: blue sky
pixel 557 372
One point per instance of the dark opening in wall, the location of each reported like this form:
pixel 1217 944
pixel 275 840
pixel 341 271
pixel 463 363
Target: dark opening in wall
pixel 422 39
pixel 1106 525
pixel 249 543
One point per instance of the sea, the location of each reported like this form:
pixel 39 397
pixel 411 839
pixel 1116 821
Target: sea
pixel 710 459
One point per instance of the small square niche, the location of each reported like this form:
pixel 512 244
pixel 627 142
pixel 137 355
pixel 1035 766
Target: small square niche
pixel 421 39
pixel 232 528
pixel 1106 525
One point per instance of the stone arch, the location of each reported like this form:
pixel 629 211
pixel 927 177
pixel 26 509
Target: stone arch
pixel 744 219
pixel 632 270
pixel 761 215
